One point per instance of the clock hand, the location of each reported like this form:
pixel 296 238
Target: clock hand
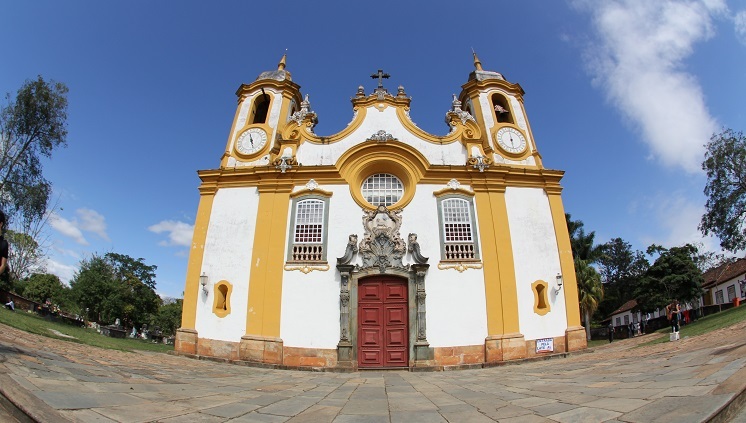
pixel 251 139
pixel 511 141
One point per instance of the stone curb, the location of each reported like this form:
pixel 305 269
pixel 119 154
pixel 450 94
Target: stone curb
pixel 28 404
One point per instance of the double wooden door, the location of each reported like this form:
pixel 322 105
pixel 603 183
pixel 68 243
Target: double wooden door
pixel 383 329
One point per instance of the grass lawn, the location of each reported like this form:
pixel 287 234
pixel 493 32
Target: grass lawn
pixel 706 324
pixel 31 322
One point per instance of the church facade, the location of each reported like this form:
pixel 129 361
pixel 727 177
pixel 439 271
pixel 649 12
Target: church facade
pixel 380 246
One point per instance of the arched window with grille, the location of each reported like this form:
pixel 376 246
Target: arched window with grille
pixel 457 229
pixel 308 232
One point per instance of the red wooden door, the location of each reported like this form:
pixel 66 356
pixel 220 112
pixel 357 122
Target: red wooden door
pixel 383 333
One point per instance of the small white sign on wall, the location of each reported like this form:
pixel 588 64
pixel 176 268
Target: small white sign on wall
pixel 544 345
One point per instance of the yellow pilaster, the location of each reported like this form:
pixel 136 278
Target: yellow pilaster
pixel 497 255
pixel 265 282
pixel 570 284
pixel 192 288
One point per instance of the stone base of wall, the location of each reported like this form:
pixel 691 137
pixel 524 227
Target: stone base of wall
pixel 186 341
pixel 260 349
pixel 504 347
pixel 461 355
pixel 309 357
pixel 270 352
pixel 576 338
pixel 558 343
pixel 215 348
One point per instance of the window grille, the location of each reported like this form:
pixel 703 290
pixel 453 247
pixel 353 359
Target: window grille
pixel 382 189
pixel 457 230
pixel 309 231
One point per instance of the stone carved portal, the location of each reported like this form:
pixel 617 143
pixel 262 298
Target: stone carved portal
pixel 382 250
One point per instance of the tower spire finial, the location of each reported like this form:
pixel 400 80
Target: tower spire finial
pixel 281 65
pixel 477 63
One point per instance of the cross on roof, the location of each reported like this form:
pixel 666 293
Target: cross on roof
pixel 381 76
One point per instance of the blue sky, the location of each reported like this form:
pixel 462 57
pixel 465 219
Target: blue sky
pixel 622 95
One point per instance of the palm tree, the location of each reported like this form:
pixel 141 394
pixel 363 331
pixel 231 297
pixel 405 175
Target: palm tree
pixel 580 242
pixel 590 291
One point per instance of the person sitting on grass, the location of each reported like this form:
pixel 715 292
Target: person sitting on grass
pixel 10 306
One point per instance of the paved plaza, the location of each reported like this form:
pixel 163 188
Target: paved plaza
pixel 692 380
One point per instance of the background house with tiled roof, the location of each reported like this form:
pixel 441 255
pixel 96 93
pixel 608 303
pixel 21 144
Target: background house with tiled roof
pixel 725 283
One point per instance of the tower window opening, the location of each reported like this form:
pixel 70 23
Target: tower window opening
pixel 502 109
pixel 260 110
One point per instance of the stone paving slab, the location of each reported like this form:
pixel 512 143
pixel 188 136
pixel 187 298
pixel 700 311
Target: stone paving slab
pixel 685 381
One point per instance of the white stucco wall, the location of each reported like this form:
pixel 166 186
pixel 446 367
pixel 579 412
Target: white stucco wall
pixel 536 257
pixel 228 249
pixel 455 302
pixel 310 302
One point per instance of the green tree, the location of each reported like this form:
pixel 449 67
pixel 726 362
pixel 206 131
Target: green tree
pixel 127 266
pixel 168 318
pixel 32 125
pixel 42 286
pixel 590 291
pixel 25 254
pixel 725 210
pixel 582 244
pixel 621 269
pixel 674 275
pixel 94 289
pixel 110 287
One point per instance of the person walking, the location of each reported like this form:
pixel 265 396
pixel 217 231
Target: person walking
pixel 611 332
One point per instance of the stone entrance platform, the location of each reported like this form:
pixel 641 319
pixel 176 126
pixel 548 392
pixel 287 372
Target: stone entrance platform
pixel 692 380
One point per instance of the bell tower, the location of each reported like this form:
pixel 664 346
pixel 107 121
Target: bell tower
pixel 264 107
pixel 497 106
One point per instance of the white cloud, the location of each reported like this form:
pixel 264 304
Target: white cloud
pixel 87 220
pixel 67 228
pixel 637 60
pixel 63 271
pixel 179 233
pixel 92 221
pixel 740 23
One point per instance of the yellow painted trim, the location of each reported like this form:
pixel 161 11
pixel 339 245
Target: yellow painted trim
pixel 307 268
pixel 570 284
pixel 216 303
pixel 497 255
pixel 192 289
pixel 511 156
pixel 541 298
pixel 460 266
pixel 266 128
pixel 307 191
pixel 461 132
pixel 265 280
pixel 394 157
pixel 459 191
pixel 302 133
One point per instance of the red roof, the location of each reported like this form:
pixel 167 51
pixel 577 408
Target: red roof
pixel 724 273
pixel 629 305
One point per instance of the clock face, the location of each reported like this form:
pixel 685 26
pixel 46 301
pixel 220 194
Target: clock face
pixel 251 141
pixel 511 140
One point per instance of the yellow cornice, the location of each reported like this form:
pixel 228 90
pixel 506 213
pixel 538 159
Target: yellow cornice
pixel 371 157
pixel 309 191
pixel 447 190
pixel 245 89
pixel 489 84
